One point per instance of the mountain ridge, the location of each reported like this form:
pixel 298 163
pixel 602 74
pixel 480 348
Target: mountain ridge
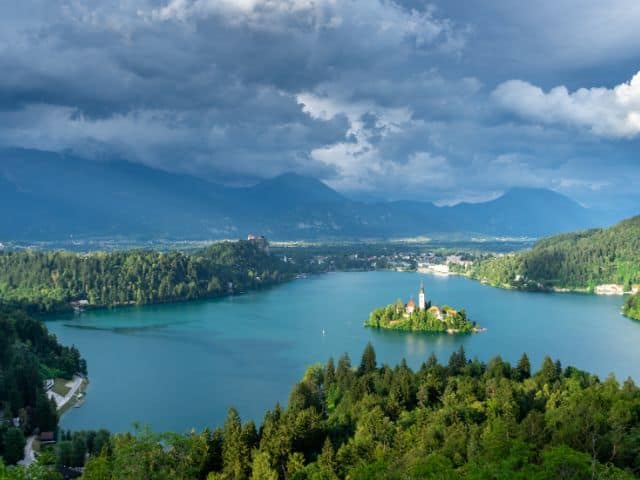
pixel 52 195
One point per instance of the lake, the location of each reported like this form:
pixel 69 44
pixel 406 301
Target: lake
pixel 177 367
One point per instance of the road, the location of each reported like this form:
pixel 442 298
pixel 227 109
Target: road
pixel 29 454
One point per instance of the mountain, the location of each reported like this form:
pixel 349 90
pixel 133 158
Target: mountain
pixel 46 195
pixel 291 188
pixel 532 211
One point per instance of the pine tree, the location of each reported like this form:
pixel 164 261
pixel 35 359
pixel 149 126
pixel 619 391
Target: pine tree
pixel 457 361
pixel 45 415
pixel 343 372
pixel 548 372
pixel 261 467
pixel 368 362
pixel 329 373
pixel 327 458
pixel 523 369
pixel 14 443
pixel 235 453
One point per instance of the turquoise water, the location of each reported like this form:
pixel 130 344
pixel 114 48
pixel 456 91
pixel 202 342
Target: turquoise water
pixel 180 366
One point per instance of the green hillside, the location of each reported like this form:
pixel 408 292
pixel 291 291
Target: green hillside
pixel 578 261
pixel 48 281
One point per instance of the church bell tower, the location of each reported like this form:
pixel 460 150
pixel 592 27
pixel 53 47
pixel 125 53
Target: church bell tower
pixel 421 300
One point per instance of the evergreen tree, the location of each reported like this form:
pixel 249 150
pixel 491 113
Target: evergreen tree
pixel 343 372
pixel 235 453
pixel 481 422
pixel 548 372
pixel 97 468
pixel 457 361
pixel 215 440
pixel 14 442
pixel 524 368
pixel 327 457
pixel 78 450
pixel 101 442
pixel 45 414
pixel 64 453
pixel 329 373
pixel 368 361
pixel 261 467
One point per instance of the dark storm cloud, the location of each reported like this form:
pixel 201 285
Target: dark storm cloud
pixel 392 99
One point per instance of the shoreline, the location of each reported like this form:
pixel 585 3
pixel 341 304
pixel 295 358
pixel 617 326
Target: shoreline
pixel 448 331
pixel 77 387
pixel 67 309
pixel 600 290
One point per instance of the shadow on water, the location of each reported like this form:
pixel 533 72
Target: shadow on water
pixel 121 330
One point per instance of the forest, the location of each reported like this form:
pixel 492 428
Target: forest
pixel 29 354
pixel 578 261
pixel 631 307
pixel 49 281
pixel 462 419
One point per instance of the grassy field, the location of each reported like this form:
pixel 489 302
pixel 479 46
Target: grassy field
pixel 60 387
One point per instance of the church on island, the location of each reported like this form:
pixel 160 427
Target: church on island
pixel 423 305
pixel 410 307
pixel 422 316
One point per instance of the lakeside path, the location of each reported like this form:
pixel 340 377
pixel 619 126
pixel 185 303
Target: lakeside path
pixel 74 386
pixel 29 454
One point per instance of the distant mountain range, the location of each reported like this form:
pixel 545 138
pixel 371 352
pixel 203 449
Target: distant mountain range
pixel 45 195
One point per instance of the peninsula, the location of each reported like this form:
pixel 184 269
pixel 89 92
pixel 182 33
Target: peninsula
pixel 423 317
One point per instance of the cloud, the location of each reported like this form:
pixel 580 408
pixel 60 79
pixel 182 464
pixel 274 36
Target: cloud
pixel 607 112
pixel 387 19
pixel 387 98
pixel 355 158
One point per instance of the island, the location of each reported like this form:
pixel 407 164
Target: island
pixel 423 317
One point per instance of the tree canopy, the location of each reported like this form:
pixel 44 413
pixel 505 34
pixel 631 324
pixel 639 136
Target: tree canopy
pixel 579 260
pixel 29 354
pixel 49 281
pixel 465 419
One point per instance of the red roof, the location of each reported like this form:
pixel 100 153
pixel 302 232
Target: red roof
pixel 411 303
pixel 47 437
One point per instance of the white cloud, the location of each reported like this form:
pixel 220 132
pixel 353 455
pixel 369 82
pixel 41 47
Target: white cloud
pixel 607 112
pixel 386 20
pixel 357 159
pixel 235 10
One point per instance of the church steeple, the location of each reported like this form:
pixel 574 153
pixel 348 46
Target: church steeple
pixel 422 304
